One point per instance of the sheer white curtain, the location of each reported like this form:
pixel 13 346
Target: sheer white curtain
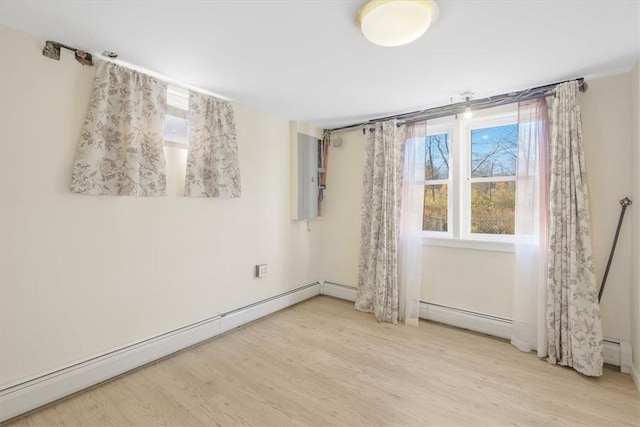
pixel 411 223
pixel 532 201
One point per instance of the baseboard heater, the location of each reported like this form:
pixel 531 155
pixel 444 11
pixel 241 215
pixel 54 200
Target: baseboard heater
pixel 26 395
pixel 617 353
pixel 478 322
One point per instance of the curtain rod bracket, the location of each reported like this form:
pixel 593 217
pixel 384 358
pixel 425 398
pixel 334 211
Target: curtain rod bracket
pixel 52 50
pixel 583 86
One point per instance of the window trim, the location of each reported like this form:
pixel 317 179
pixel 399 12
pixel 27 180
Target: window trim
pixel 467 126
pixel 475 244
pixel 439 129
pixel 459 183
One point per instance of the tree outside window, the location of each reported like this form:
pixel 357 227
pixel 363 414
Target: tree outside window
pixel 494 153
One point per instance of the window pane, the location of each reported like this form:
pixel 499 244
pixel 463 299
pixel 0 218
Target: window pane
pixel 176 129
pixel 436 198
pixel 493 207
pixel 436 157
pixel 494 151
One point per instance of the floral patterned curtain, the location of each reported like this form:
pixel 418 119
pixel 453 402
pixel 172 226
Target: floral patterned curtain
pixel 573 314
pixel 212 164
pixel 380 216
pixel 120 151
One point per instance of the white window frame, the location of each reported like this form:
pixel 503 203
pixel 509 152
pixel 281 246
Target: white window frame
pixel 465 142
pixel 439 129
pixel 459 183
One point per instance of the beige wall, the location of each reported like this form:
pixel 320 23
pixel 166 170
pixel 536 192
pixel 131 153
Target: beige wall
pixel 606 113
pixel 470 279
pixel 634 220
pixel 467 278
pixel 341 210
pixel 81 275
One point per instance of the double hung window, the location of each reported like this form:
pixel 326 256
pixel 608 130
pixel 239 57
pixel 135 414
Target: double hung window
pixel 470 176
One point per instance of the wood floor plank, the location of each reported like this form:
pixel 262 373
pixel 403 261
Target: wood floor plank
pixel 321 363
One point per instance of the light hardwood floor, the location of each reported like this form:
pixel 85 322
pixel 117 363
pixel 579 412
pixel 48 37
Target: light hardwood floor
pixel 322 363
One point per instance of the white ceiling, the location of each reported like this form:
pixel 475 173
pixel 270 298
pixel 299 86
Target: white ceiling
pixel 306 60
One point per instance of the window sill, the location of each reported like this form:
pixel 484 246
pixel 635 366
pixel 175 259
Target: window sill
pixel 482 245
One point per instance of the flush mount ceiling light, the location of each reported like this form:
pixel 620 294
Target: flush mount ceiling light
pixel 396 22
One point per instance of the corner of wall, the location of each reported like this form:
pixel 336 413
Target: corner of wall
pixel 293 168
pixel 635 221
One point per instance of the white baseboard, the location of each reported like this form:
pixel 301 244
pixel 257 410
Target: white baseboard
pixel 483 323
pixel 23 397
pixel 635 374
pixel 611 353
pixel 338 290
pixel 626 359
pixel 614 353
pixel 255 311
pixel 490 325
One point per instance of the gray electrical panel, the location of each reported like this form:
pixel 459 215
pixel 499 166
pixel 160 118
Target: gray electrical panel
pixel 307 176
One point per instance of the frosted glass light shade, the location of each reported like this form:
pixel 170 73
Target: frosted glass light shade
pixel 396 22
pixel 468 113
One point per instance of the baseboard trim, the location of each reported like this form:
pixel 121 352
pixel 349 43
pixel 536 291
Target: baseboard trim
pixel 19 398
pixel 465 319
pixel 490 325
pixel 338 290
pixel 635 375
pixel 255 311
pixel 478 322
pixel 611 352
pixel 626 358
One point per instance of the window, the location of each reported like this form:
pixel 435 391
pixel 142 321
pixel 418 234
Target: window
pixel 491 189
pixel 436 179
pixel 470 176
pixel 176 128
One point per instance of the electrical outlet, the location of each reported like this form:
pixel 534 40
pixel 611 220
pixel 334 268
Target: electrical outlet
pixel 261 270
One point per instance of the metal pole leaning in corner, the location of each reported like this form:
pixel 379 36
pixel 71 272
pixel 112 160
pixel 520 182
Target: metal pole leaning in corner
pixel 624 203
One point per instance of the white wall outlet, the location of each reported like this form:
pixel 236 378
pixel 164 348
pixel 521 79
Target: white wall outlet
pixel 261 270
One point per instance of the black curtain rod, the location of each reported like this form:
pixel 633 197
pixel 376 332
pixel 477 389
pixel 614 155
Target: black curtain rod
pixel 478 104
